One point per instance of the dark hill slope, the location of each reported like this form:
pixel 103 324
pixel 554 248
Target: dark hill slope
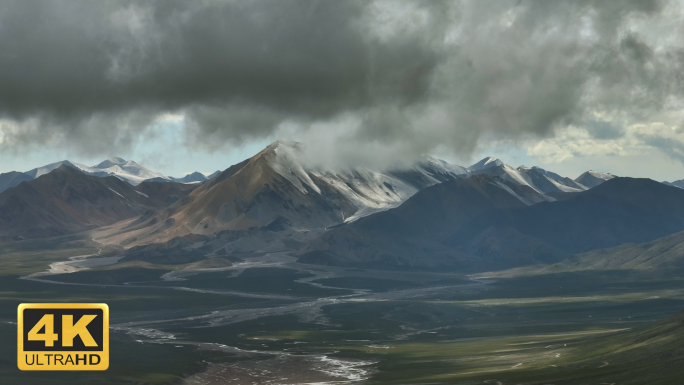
pixel 407 235
pixel 462 231
pixel 621 210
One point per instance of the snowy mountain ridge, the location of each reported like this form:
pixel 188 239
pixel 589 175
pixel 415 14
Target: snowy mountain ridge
pixel 538 179
pixel 126 170
pixel 370 189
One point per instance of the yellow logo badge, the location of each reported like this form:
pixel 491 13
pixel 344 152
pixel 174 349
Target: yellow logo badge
pixel 63 336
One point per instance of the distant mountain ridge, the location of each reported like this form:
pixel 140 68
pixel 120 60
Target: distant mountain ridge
pixel 676 183
pixel 66 201
pixel 12 178
pixel 126 170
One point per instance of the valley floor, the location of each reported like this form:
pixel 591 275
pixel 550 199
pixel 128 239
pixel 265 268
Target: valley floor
pixel 271 320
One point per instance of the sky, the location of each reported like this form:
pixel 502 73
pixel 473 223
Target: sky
pixel 198 86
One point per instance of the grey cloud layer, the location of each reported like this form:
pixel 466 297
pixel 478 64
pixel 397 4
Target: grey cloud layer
pixel 410 76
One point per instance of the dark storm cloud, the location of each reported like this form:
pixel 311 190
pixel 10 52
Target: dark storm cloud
pixel 411 76
pixel 66 62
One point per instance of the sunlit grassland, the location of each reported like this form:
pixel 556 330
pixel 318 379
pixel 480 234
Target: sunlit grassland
pixel 33 256
pixel 472 359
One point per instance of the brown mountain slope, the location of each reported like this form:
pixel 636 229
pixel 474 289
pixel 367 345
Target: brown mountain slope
pixel 250 194
pixel 66 201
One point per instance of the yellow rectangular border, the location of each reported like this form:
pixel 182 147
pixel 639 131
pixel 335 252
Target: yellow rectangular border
pixel 104 363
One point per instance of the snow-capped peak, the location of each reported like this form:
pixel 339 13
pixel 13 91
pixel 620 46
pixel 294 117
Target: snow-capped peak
pixel 593 178
pixel 486 163
pixel 113 161
pixel 602 175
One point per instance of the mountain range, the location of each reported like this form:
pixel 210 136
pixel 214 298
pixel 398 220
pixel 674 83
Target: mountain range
pixel 276 188
pixel 429 214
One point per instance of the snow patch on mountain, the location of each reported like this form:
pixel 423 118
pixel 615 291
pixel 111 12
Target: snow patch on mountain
pixel 601 175
pixel 536 178
pixel 510 191
pixel 115 192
